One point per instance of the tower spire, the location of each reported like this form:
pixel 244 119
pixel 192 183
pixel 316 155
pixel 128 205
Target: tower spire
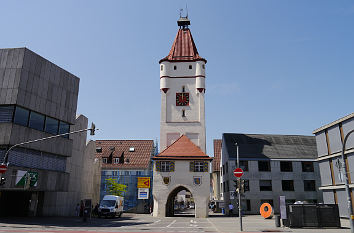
pixel 183 22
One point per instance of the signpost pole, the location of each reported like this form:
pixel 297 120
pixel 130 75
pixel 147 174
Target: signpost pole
pixel 239 189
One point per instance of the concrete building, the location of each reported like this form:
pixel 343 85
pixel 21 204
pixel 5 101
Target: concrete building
pixel 125 161
pixel 273 165
pixel 329 139
pixel 182 164
pixel 39 99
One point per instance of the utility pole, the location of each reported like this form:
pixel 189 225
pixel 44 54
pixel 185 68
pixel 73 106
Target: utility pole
pixel 239 189
pixel 346 182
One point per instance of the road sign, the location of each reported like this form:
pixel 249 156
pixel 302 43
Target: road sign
pixel 238 172
pixel 143 193
pixel 3 168
pixel 143 182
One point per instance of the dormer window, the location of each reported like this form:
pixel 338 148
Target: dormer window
pixel 190 67
pixel 98 149
pixel 131 149
pixel 104 160
pixel 116 160
pixel 175 67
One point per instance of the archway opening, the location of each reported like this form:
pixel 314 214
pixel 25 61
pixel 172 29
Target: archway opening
pixel 180 202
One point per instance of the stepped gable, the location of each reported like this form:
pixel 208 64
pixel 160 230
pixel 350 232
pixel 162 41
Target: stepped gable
pixel 182 149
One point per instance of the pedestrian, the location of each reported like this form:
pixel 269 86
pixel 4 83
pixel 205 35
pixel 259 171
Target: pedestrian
pixel 95 211
pixel 77 210
pixel 231 207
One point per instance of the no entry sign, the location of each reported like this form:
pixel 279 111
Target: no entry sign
pixel 3 168
pixel 238 172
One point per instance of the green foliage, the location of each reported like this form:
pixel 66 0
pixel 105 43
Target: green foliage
pixel 113 188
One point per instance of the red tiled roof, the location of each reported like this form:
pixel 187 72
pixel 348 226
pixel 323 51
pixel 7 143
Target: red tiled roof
pixel 217 155
pixel 183 48
pixel 139 159
pixel 183 148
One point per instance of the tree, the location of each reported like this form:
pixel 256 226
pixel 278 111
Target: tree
pixel 113 188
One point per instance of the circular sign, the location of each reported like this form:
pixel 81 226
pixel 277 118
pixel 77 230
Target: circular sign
pixel 238 172
pixel 3 168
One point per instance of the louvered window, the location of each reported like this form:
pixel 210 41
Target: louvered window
pixel 6 113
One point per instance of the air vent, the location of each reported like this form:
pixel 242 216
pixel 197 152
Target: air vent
pixel 131 149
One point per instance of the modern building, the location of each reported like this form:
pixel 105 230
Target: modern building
pixel 273 165
pixel 215 174
pixel 126 161
pixel 329 139
pixel 39 99
pixel 183 163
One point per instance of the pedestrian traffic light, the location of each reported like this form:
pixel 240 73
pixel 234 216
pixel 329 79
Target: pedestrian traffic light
pixel 2 181
pixel 93 128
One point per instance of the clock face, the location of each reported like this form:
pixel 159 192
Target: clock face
pixel 182 99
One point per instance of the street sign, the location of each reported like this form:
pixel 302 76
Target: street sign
pixel 238 172
pixel 3 168
pixel 143 182
pixel 232 195
pixel 143 193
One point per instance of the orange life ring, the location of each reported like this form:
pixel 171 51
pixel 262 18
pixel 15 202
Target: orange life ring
pixel 266 210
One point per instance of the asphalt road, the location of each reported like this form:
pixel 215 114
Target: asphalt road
pixel 147 223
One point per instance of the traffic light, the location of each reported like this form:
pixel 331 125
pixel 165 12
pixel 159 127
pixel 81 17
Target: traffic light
pixel 93 128
pixel 241 185
pixel 2 181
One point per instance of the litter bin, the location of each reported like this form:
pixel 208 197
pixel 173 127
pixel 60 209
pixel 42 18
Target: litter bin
pixel 222 210
pixel 277 220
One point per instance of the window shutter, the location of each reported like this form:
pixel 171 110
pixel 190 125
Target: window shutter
pixel 172 166
pixel 206 166
pixel 191 166
pixel 158 166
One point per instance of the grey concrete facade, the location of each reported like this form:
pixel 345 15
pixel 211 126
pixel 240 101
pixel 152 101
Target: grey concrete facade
pixel 329 146
pixel 47 96
pixel 255 196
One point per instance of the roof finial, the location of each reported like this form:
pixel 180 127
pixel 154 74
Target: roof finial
pixel 183 22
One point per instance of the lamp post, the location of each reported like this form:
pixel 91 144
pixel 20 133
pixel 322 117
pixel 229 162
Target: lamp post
pixel 346 182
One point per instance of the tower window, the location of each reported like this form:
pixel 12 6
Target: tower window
pixel 203 67
pixel 175 67
pixel 183 89
pixel 190 67
pixel 183 113
pixel 161 67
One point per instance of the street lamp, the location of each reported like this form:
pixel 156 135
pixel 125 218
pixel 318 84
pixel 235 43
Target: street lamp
pixel 350 207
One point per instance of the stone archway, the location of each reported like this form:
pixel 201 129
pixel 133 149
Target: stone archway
pixel 170 204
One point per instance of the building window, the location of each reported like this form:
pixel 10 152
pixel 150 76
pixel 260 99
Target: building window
pixel 223 170
pixel 265 185
pixel 161 67
pixel 183 88
pixel 224 190
pixel 175 67
pixel 98 149
pixel 104 160
pixel 21 116
pixel 307 166
pixel 64 128
pixel 243 165
pixel 309 185
pixel 222 187
pixel 286 166
pixel 246 185
pixel 264 166
pixel 227 168
pixel 203 67
pixel 248 205
pixel 183 113
pixel 190 67
pixel 165 166
pixel 199 166
pixel 51 125
pixel 36 121
pixel 6 113
pixel 287 185
pixel 227 186
pixel 116 160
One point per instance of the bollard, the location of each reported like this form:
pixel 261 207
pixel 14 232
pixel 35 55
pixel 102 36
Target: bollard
pixel 277 220
pixel 223 211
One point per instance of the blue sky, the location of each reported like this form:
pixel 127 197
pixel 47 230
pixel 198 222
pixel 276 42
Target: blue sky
pixel 274 67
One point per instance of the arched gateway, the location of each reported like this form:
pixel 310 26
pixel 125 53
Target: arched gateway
pixel 182 166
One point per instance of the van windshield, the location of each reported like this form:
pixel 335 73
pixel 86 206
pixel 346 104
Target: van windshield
pixel 108 202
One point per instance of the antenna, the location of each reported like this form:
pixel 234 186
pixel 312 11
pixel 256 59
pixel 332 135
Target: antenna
pixel 180 12
pixel 187 10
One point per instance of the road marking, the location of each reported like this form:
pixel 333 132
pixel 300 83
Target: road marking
pixel 169 225
pixel 213 225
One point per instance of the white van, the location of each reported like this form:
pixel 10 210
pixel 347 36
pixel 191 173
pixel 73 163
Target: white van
pixel 111 206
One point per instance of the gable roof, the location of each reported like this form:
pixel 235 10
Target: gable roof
pixel 217 155
pixel 269 146
pixel 137 159
pixel 182 149
pixel 183 48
